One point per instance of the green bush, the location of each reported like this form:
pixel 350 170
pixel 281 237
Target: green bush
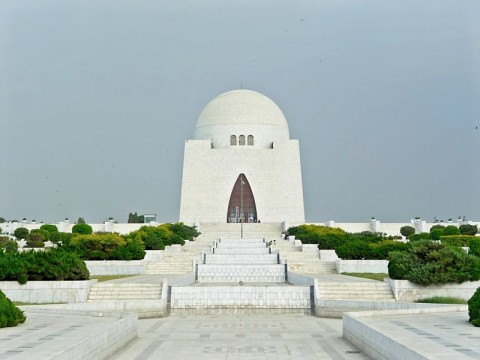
pixel 37 238
pixel 61 238
pixel 428 262
pixel 10 315
pixel 435 234
pixel 183 231
pixel 474 308
pixel 474 246
pixel 51 264
pixel 354 250
pixel 21 233
pixel 451 230
pixel 467 229
pixel 456 240
pixel 407 231
pixel 421 236
pixel 382 250
pixel 7 244
pixel 107 246
pixel 49 227
pixel 83 229
pixel 327 238
pixel 157 237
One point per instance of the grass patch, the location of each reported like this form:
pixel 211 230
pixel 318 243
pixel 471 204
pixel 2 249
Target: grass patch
pixel 442 300
pixel 372 276
pixel 101 278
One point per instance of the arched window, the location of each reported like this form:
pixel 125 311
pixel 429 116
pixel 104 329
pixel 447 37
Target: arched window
pixel 250 140
pixel 241 140
pixel 233 140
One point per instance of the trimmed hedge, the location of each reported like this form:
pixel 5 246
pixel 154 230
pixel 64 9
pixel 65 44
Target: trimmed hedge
pixel 474 308
pixel 358 250
pixel 10 315
pixel 427 262
pixel 418 237
pixel 51 264
pixel 327 238
pixel 157 237
pixel 456 240
pixel 107 246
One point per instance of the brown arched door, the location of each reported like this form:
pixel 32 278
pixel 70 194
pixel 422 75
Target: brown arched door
pixel 242 203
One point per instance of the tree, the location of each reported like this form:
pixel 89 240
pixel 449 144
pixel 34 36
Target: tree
pixel 21 233
pixel 81 220
pixel 2 220
pixel 134 218
pixel 407 230
pixel 83 229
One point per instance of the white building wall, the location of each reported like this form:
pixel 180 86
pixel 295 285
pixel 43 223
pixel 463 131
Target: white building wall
pixel 274 176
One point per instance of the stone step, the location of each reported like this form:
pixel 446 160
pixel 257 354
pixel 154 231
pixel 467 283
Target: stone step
pixel 236 273
pixel 254 297
pixel 241 259
pixel 238 245
pixel 129 291
pixel 362 291
pixel 241 251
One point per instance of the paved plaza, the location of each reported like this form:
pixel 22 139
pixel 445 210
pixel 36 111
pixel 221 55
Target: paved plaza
pixel 254 336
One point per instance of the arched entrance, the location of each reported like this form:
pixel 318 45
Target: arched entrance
pixel 242 203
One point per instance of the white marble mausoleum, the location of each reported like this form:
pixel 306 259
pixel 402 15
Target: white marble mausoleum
pixel 242 164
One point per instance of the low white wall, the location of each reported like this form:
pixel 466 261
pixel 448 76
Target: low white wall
pixel 362 266
pixel 406 291
pixel 298 279
pixel 101 343
pixel 116 267
pixel 328 255
pixel 379 345
pixel 153 255
pixel 336 308
pixel 42 292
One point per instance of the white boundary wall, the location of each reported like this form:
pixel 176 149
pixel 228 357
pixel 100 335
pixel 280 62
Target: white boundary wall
pixel 406 291
pixel 43 292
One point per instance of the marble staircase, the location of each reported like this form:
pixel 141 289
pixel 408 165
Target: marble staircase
pixel 240 274
pixel 357 291
pixel 106 292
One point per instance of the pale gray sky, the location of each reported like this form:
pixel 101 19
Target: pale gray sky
pixel 98 97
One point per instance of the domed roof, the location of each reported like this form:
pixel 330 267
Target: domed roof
pixel 241 107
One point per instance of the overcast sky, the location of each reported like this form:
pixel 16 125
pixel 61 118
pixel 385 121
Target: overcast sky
pixel 98 97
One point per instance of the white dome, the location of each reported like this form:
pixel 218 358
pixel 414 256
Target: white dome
pixel 241 112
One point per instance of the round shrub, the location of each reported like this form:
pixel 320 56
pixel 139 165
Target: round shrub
pixel 21 233
pixel 407 231
pixel 451 230
pixel 10 315
pixel 428 262
pixel 474 308
pixel 467 229
pixel 435 234
pixel 49 227
pixel 83 229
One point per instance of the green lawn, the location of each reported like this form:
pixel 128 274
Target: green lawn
pixel 372 276
pixel 101 278
pixel 442 300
